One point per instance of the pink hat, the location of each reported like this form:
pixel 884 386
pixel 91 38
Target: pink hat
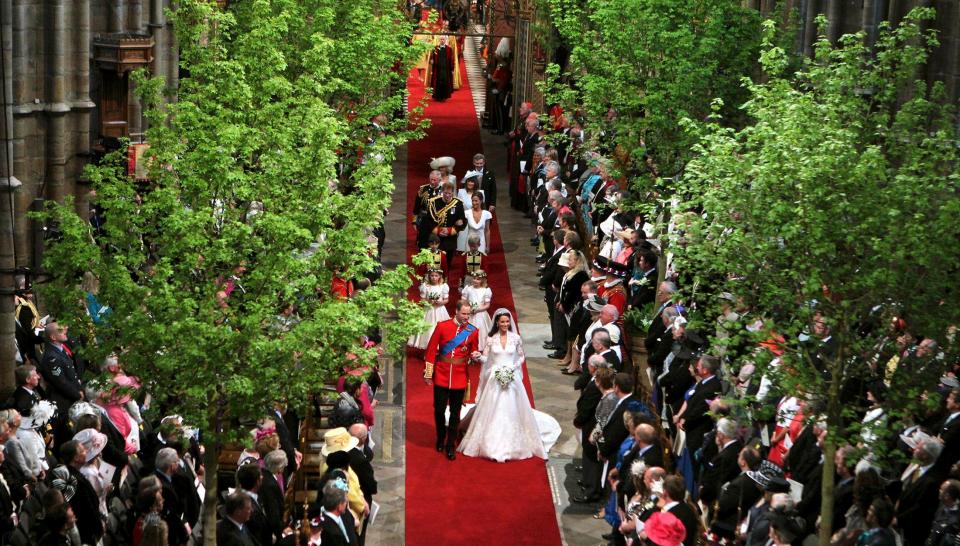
pixel 664 529
pixel 93 440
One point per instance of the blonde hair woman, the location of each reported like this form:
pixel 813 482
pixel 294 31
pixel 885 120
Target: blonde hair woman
pixel 567 299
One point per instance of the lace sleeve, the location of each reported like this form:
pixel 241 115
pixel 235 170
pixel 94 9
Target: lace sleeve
pixel 518 356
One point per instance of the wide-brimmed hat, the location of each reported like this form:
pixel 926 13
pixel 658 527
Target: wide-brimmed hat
pixel 40 414
pixel 762 475
pixel 665 529
pixel 445 161
pixel 611 267
pixel 594 304
pixel 93 440
pixel 337 439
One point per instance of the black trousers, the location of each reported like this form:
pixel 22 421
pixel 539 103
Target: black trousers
pixel 441 397
pixel 592 467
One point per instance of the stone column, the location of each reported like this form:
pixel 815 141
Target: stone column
pixel 158 29
pixel 57 107
pixel 523 56
pixel 82 105
pixel 8 185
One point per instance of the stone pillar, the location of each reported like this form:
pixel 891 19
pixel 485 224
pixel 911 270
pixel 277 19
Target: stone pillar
pixel 57 107
pixel 8 185
pixel 23 106
pixel 82 105
pixel 523 56
pixel 158 29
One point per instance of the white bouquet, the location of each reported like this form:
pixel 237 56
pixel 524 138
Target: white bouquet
pixel 503 375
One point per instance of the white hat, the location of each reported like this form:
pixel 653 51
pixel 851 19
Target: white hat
pixel 445 161
pixel 564 260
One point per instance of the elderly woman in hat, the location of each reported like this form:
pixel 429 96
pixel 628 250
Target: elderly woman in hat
pixel 445 165
pixel 339 440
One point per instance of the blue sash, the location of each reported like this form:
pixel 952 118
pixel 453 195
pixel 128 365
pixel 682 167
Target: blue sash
pixel 449 346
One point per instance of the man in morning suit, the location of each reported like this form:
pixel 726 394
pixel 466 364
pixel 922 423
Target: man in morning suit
pixel 737 495
pixel 723 466
pixel 167 462
pixel 584 420
pixel 338 523
pixel 28 392
pixel 694 417
pixel 452 347
pixel 919 497
pixel 488 182
pixel 949 433
pixel 249 480
pixel 673 499
pixel 232 529
pixel 615 431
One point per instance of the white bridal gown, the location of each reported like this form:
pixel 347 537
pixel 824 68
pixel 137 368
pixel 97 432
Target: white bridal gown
pixel 503 426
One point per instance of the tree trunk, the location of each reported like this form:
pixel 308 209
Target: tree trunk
pixel 834 422
pixel 209 516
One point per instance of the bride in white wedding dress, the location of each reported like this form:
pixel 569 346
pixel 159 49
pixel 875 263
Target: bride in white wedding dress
pixel 503 426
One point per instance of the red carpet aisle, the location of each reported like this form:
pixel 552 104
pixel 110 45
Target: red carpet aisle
pixel 467 501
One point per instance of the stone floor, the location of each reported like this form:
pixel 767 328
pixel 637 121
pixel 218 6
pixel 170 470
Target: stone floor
pixel 553 392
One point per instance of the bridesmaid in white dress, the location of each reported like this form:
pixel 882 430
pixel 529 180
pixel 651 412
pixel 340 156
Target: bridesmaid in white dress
pixel 478 222
pixel 436 293
pixel 503 425
pixel 471 187
pixel 479 297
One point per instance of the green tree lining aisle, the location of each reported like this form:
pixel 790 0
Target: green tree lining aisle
pixel 265 181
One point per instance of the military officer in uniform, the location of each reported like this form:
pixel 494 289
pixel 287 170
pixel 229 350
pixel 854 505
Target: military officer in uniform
pixel 60 374
pixel 452 347
pixel 425 193
pixel 446 217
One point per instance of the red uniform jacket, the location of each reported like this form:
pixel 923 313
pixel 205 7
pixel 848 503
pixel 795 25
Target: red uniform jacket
pixel 446 374
pixel 615 296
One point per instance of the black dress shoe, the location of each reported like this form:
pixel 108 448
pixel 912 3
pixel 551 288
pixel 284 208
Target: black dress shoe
pixel 440 445
pixel 607 536
pixel 451 454
pixel 557 355
pixel 584 499
pixel 550 345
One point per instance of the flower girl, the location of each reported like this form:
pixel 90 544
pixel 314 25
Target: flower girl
pixel 479 297
pixel 436 292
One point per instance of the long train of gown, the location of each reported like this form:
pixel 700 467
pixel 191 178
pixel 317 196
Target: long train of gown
pixel 503 426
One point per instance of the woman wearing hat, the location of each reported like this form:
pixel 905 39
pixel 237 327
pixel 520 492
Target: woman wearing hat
pixel 445 165
pixel 337 443
pixel 94 442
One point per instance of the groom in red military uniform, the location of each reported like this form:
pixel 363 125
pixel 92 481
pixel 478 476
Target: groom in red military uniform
pixel 455 342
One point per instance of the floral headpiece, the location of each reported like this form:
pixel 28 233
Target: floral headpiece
pixel 263 433
pixel 341 484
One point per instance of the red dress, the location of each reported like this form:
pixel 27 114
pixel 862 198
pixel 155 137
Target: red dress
pixel 450 371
